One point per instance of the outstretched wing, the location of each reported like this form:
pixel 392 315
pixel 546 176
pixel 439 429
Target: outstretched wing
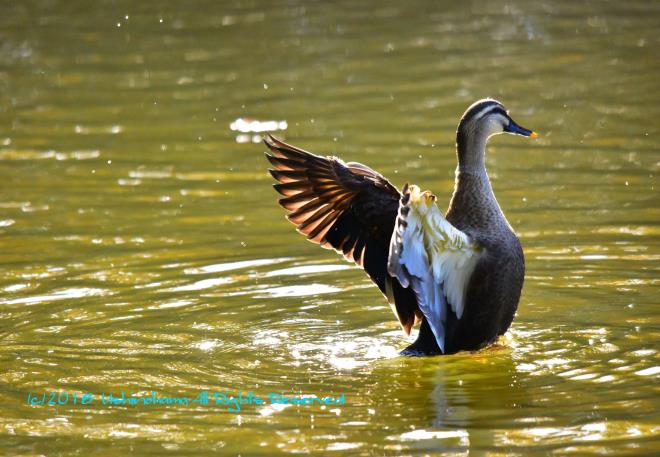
pixel 430 254
pixel 347 207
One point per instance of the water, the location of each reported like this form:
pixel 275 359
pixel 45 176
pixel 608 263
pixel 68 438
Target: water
pixel 142 248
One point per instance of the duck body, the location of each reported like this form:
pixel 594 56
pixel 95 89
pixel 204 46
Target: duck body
pixel 495 285
pixel 459 274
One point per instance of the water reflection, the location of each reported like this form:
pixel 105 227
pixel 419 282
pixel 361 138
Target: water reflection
pixel 64 294
pixel 252 129
pixel 469 396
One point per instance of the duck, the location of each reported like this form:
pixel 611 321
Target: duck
pixel 459 275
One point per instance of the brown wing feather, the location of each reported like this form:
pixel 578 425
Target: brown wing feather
pixel 347 207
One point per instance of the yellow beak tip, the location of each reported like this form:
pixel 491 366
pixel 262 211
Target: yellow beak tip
pixel 533 135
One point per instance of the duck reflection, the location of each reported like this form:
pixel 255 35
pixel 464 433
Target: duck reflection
pixel 463 402
pixel 474 388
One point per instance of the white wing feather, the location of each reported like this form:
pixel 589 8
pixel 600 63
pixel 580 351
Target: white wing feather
pixel 433 256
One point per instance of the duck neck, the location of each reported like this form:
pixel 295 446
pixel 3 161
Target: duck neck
pixel 471 151
pixel 473 203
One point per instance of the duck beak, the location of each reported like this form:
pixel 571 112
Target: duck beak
pixel 518 130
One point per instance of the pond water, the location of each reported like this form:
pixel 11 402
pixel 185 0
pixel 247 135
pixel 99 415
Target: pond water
pixel 142 248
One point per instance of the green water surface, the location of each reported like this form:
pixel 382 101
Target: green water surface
pixel 142 249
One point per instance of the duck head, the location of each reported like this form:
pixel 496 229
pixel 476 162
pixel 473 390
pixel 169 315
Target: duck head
pixel 480 121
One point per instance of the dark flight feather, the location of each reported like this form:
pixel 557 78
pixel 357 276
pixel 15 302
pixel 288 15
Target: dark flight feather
pixel 347 207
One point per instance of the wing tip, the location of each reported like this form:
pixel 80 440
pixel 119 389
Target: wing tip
pixel 276 147
pixel 269 139
pixel 274 173
pixel 269 157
